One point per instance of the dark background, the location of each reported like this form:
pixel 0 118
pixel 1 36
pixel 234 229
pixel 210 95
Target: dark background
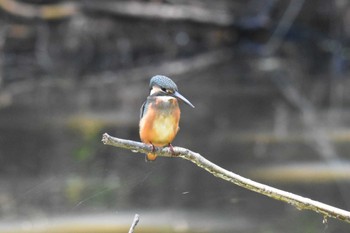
pixel 269 79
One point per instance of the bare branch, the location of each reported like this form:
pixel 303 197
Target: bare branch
pixel 31 11
pixel 134 223
pixel 171 68
pixel 298 201
pixel 165 11
pixel 222 18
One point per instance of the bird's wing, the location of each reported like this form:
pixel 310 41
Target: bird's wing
pixel 142 109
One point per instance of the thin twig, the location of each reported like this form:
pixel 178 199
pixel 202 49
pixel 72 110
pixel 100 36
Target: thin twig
pixel 283 26
pixel 134 223
pixel 298 201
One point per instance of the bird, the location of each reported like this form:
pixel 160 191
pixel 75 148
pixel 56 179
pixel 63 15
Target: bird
pixel 160 114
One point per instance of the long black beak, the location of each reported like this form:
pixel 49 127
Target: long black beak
pixel 181 97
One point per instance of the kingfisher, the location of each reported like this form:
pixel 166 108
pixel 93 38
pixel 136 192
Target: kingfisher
pixel 160 114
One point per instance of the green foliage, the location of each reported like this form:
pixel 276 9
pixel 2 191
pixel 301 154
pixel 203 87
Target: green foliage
pixel 89 131
pixel 95 191
pixel 84 152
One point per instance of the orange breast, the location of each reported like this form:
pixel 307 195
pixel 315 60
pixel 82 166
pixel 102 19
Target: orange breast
pixel 160 123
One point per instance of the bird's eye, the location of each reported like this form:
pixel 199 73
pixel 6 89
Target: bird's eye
pixel 168 91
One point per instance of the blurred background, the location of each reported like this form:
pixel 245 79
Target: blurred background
pixel 270 82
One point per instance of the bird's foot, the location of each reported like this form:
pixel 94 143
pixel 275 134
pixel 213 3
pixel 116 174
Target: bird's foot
pixel 172 149
pixel 151 156
pixel 153 148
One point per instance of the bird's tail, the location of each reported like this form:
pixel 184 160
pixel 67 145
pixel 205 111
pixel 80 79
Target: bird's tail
pixel 150 157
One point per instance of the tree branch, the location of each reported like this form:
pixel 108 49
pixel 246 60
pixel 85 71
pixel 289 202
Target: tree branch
pixel 134 223
pixel 175 12
pixel 45 12
pixel 298 201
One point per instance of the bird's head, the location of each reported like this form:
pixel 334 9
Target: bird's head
pixel 163 86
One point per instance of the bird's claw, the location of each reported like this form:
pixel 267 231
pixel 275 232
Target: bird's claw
pixel 172 149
